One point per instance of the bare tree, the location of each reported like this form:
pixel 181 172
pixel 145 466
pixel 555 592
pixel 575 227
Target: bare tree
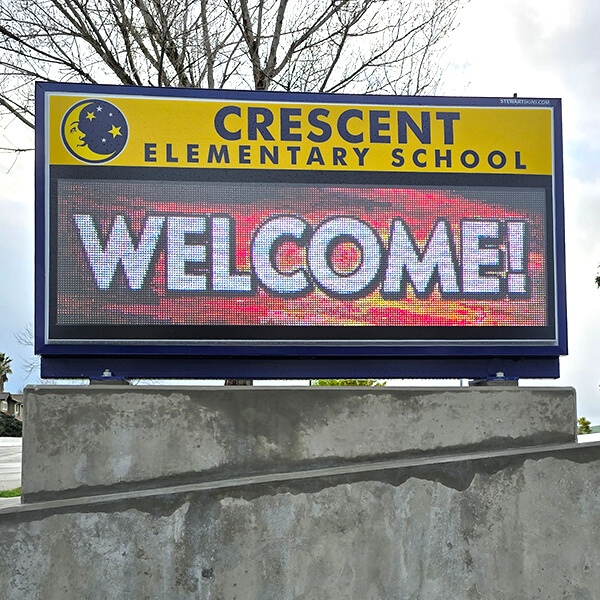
pixel 32 364
pixel 25 338
pixel 358 46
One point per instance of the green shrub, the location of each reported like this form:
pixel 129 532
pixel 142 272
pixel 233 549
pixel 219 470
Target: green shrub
pixel 361 382
pixel 583 426
pixel 10 427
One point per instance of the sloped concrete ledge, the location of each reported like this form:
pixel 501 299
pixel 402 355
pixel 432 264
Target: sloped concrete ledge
pixel 430 467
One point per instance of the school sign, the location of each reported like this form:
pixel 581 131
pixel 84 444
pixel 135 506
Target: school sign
pixel 203 233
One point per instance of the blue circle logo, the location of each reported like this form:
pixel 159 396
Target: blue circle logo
pixel 94 131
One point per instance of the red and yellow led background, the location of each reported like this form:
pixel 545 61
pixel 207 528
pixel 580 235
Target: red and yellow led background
pixel 80 302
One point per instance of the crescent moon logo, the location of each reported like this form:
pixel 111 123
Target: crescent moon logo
pixel 94 131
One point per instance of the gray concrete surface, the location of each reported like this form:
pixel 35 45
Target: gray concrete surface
pixel 10 502
pixel 92 440
pixel 303 494
pixel 498 527
pixel 10 462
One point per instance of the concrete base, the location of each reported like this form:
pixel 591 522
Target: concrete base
pixel 99 439
pixel 518 520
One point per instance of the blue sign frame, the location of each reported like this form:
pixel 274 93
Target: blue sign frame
pixel 277 358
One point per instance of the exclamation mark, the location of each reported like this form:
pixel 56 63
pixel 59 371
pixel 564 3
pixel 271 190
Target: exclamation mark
pixel 517 279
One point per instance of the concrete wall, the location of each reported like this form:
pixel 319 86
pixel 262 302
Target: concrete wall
pixel 513 528
pixel 504 512
pixel 81 440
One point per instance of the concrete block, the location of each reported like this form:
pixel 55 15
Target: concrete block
pixel 501 528
pixel 94 439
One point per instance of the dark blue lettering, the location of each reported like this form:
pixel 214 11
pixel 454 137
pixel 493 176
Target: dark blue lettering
pixel 266 153
pixel 342 125
pixel 220 123
pixel 150 152
pixel 192 153
pixel 170 157
pixel 219 155
pixel 416 155
pixel 469 163
pixel 315 156
pixel 293 150
pixel 256 125
pixel 287 124
pixel 439 158
pixel 376 126
pixel 323 126
pixel 361 155
pixel 244 155
pixel 448 118
pixel 339 157
pixel 492 155
pixel 422 133
pixel 398 158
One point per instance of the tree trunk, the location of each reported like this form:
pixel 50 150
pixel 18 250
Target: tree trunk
pixel 238 382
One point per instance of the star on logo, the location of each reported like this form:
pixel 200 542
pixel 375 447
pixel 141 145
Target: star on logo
pixel 115 131
pixel 99 108
pixel 91 116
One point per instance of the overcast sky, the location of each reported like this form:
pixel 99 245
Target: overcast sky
pixel 535 48
pixel 547 48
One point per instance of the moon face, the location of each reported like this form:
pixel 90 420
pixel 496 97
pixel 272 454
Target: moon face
pixel 94 131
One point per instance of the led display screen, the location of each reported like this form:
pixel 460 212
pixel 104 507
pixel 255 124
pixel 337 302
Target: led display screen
pixel 192 221
pixel 300 256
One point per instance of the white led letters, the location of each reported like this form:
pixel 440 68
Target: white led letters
pixel 484 257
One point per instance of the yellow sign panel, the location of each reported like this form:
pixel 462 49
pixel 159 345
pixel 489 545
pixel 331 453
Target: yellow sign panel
pixel 132 131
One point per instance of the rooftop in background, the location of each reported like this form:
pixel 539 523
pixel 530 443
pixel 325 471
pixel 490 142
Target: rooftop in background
pixel 12 404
